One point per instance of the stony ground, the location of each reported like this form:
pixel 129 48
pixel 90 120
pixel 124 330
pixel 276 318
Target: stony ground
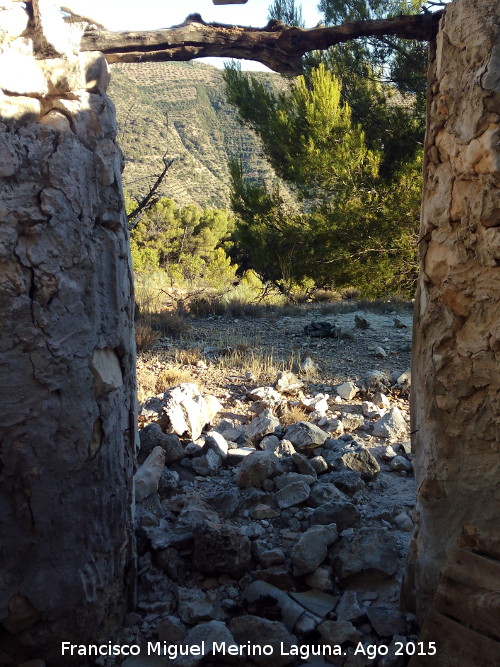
pixel 276 491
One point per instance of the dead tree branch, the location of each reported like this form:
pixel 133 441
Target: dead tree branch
pixel 278 46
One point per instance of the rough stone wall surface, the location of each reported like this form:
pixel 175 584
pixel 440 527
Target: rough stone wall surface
pixel 455 376
pixel 67 388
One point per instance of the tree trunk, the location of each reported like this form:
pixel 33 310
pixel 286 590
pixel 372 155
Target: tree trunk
pixel 67 354
pixel 455 378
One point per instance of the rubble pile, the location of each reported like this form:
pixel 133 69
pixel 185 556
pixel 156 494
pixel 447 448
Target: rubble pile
pixel 256 533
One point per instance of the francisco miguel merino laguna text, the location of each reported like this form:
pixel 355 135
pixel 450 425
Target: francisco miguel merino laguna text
pixel 201 649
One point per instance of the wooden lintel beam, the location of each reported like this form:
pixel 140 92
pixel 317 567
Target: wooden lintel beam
pixel 278 46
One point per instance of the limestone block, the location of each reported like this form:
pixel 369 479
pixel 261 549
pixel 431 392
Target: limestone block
pixel 57 120
pixel 106 370
pixel 19 109
pixel 146 479
pixel 20 74
pixel 95 71
pixel 53 36
pixel 13 22
pixel 62 75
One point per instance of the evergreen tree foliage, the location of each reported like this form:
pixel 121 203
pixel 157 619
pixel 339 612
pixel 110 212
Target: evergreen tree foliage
pixel 359 195
pixel 187 242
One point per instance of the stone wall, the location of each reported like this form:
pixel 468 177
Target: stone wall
pixel 456 352
pixel 67 393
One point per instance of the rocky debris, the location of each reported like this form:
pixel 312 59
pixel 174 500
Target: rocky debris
pixel 288 383
pixel 391 425
pixel 263 424
pixel 256 468
pixel 398 324
pixel 221 549
pixel 311 549
pixel 342 514
pixel 379 352
pixel 207 464
pixel 292 494
pixel 386 621
pixel 305 436
pixel 274 538
pixel 187 411
pixel 295 616
pixel 146 479
pixel 152 436
pixel 370 550
pixel 347 390
pixel 322 330
pixel 400 463
pixel 348 608
pixel 361 461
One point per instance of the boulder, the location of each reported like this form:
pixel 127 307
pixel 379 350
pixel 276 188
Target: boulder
pixel 386 621
pixel 152 436
pixel 391 425
pixel 342 514
pixel 370 550
pixel 205 635
pixel 256 468
pixel 263 424
pixel 288 383
pixel 146 479
pixel 347 390
pixel 311 550
pixel 361 461
pixel 305 436
pixel 292 494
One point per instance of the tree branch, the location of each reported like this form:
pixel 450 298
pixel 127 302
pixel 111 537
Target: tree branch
pixel 278 46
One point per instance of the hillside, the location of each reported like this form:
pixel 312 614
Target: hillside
pixel 201 134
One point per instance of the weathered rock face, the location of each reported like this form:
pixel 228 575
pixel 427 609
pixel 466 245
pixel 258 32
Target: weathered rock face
pixel 456 388
pixel 67 353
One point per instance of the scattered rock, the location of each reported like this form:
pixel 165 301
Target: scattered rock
pixel 400 463
pixel 221 549
pixel 361 461
pixel 305 436
pixel 347 390
pixel 338 632
pixel 205 635
pixel 361 322
pixel 152 436
pixel 292 494
pixel 391 425
pixel 348 608
pixel 146 479
pixel 343 515
pixel 288 383
pixel 256 468
pixel 311 550
pixel 207 464
pixel 379 352
pixel 303 464
pixel 322 330
pixel 262 425
pixel 352 557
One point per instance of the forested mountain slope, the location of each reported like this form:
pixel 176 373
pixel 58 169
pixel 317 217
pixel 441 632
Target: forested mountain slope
pixel 180 109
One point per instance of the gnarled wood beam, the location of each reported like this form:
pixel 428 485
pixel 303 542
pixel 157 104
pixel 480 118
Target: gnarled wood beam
pixel 278 46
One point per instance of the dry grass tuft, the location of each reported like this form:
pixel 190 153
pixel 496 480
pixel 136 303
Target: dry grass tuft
pixel 293 414
pixel 170 377
pixel 145 336
pixel 188 356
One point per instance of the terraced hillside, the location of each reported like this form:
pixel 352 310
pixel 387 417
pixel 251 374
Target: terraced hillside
pixel 201 132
